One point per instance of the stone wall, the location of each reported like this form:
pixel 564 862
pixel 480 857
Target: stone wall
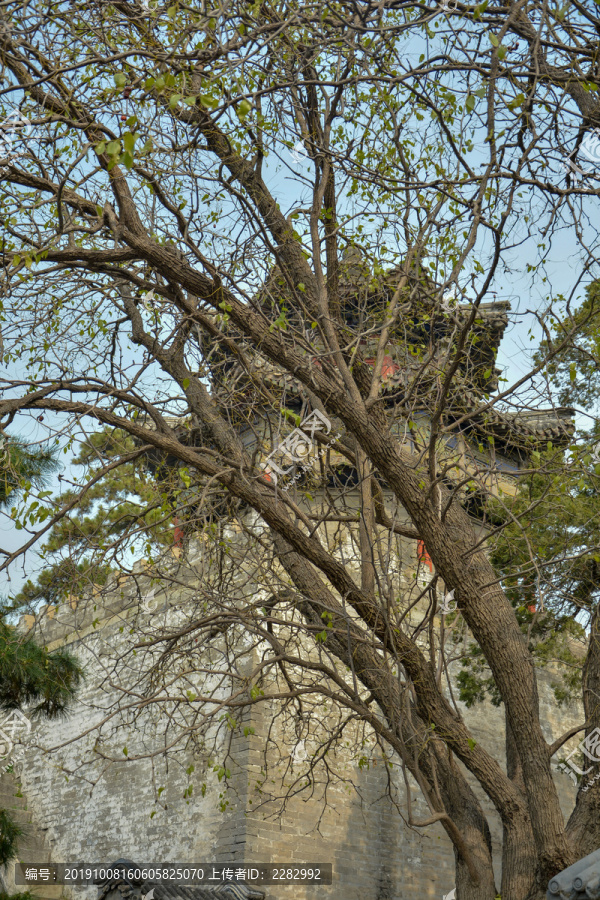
pixel 138 806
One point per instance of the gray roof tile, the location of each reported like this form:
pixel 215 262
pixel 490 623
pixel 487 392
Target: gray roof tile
pixel 581 881
pixel 122 889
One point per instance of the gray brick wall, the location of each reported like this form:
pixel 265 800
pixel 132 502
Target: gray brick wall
pixel 85 809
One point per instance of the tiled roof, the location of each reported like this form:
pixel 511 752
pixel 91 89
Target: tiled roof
pixel 479 377
pixel 581 881
pixel 514 429
pixel 474 381
pixel 123 889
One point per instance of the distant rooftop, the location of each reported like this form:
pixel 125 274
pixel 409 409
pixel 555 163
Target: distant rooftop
pixel 131 889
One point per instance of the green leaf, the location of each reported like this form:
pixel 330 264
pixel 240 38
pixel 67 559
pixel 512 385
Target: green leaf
pixel 174 101
pixel 244 108
pixel 113 148
pixel 290 415
pixel 280 322
pixel 518 101
pixel 129 141
pixel 470 102
pixel 501 51
pixel 493 39
pixel 186 383
pixel 120 79
pixel 100 148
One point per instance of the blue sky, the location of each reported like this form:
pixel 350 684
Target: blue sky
pixel 525 291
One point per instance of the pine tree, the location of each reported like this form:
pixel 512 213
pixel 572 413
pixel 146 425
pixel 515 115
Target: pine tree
pixel 136 504
pixel 29 674
pixel 20 466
